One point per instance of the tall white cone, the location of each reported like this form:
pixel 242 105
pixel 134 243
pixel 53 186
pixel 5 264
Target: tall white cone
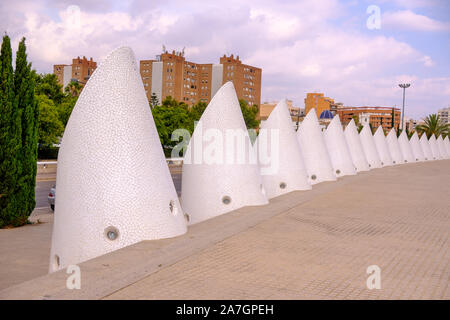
pixel 434 147
pixel 426 147
pixel 416 148
pixel 382 147
pixel 405 147
pixel 113 184
pixel 314 150
pixel 370 150
pixel 338 149
pixel 289 173
pixel 394 147
pixel 220 169
pixel 441 146
pixel 355 147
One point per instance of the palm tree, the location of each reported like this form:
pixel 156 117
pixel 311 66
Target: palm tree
pixel 73 88
pixel 433 125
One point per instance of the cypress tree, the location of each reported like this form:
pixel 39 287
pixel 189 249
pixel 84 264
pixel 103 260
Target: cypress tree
pixel 24 83
pixel 10 143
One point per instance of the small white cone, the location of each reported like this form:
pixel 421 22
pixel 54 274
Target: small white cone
pixel 314 150
pixel 220 175
pixel 355 147
pixel 382 147
pixel 425 145
pixel 447 145
pixel 338 149
pixel 113 184
pixel 442 149
pixel 405 147
pixel 289 173
pixel 370 150
pixel 434 147
pixel 416 148
pixel 394 147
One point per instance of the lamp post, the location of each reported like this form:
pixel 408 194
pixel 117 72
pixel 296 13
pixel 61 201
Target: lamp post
pixel 403 86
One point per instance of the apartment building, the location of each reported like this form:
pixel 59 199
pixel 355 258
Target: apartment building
pixel 374 115
pixel 444 115
pixel 170 74
pixel 319 102
pixel 80 71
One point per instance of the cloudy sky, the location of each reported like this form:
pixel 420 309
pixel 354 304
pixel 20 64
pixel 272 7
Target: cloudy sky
pixel 302 46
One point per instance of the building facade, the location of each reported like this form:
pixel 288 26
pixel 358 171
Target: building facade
pixel 376 116
pixel 319 102
pixel 170 74
pixel 79 71
pixel 266 108
pixel 444 115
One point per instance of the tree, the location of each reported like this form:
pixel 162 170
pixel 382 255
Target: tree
pixel 171 115
pixel 154 100
pixel 50 127
pixel 24 99
pixel 433 125
pixel 73 88
pixel 249 113
pixel 10 134
pixel 48 85
pixel 65 108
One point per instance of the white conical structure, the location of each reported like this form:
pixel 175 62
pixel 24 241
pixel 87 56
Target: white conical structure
pixel 447 145
pixel 355 147
pixel 382 147
pixel 425 145
pixel 114 187
pixel 289 172
pixel 314 150
pixel 416 148
pixel 370 150
pixel 338 149
pixel 405 147
pixel 218 174
pixel 441 147
pixel 394 147
pixel 434 147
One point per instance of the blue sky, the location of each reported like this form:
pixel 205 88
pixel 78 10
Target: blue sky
pixel 302 46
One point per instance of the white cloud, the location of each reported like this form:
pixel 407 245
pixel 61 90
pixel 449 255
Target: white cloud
pixel 408 20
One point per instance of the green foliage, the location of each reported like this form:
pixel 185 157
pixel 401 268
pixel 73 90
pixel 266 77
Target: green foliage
pixel 50 126
pixel 10 139
pixel 48 85
pixel 249 113
pixel 359 126
pixel 24 82
pixel 433 125
pixel 169 117
pixel 64 109
pixel 73 89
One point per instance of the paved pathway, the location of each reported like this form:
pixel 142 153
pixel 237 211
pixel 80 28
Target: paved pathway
pixel 303 245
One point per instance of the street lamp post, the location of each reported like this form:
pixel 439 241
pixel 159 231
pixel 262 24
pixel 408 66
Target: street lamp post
pixel 403 86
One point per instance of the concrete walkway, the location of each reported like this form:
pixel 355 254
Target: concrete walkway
pixel 303 245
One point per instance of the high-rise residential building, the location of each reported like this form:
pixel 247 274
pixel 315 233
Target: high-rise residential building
pixel 79 71
pixel 319 102
pixel 376 116
pixel 170 74
pixel 444 115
